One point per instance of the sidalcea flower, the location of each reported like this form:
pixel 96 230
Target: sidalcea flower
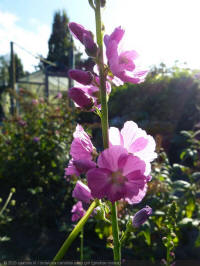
pixel 77 211
pixel 121 62
pixel 142 216
pixel 83 77
pixel 135 140
pixel 81 98
pixel 85 37
pixel 82 192
pixel 82 151
pixel 120 176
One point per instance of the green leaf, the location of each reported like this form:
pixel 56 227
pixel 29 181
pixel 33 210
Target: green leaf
pixel 190 208
pixel 181 184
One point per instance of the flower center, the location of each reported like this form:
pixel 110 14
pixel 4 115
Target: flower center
pixel 118 178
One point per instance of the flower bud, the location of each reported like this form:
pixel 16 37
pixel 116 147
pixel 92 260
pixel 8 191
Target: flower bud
pixel 13 190
pixel 90 45
pixel 82 192
pixel 103 3
pixel 141 216
pixel 85 37
pixel 83 77
pixel 78 30
pixel 80 98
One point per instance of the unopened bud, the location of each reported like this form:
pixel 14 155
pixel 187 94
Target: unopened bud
pixel 82 192
pixel 85 37
pixel 90 46
pixel 103 3
pixel 83 77
pixel 13 190
pixel 141 216
pixel 80 98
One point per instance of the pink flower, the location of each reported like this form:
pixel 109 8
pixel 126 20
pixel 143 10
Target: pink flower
pixel 119 176
pixel 122 63
pixel 135 140
pixel 82 192
pixel 77 211
pixel 81 151
pixel 35 102
pixel 59 95
pixel 141 216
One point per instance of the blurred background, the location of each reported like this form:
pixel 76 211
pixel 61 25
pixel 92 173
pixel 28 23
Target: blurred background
pixel 37 121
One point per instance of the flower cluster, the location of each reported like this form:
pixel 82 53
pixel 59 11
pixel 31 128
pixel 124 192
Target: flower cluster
pixel 121 67
pixel 122 171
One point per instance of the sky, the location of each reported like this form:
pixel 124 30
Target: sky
pixel 159 30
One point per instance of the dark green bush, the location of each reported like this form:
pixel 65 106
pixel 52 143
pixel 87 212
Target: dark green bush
pixel 34 150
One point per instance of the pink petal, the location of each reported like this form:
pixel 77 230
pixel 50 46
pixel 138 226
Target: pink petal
pixel 132 55
pixel 112 56
pixel 79 150
pixel 116 192
pixel 137 198
pixel 115 137
pixel 148 153
pixel 136 187
pixel 109 158
pixel 99 182
pixel 71 169
pixel 117 35
pixel 129 132
pixel 131 164
pixel 81 147
pixel 138 145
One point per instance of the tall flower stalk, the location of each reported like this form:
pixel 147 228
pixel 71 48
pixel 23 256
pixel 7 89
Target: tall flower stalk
pixel 104 121
pixel 122 169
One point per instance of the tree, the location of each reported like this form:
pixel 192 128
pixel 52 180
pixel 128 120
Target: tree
pixel 60 41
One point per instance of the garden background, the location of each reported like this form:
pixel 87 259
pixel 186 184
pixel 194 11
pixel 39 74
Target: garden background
pixel 35 138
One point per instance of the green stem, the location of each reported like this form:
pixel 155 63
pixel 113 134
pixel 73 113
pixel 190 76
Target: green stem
pixel 115 231
pixel 104 121
pixel 6 203
pixel 168 256
pixel 102 77
pixel 125 234
pixel 74 234
pixel 81 247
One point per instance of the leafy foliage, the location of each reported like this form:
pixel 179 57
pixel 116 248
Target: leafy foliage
pixel 34 150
